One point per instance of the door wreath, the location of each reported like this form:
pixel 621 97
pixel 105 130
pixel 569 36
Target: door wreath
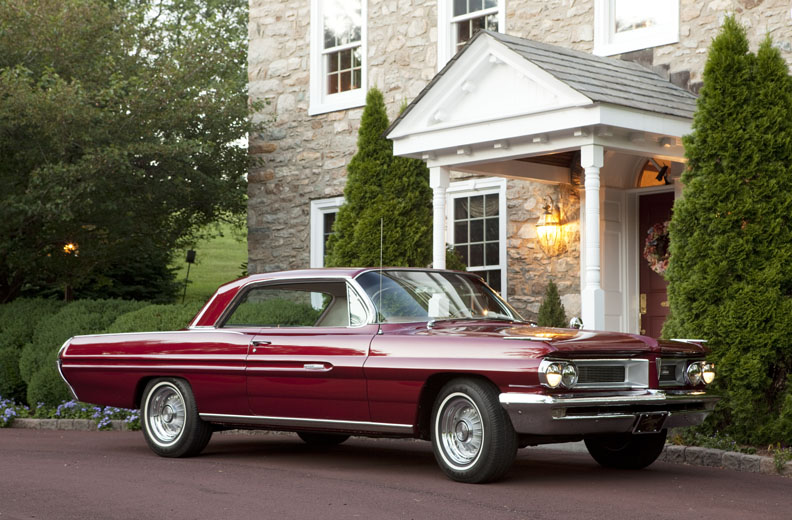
pixel 656 251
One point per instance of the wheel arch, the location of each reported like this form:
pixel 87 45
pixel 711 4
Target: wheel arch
pixel 429 392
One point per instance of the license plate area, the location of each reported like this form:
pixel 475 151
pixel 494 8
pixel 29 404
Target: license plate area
pixel 650 422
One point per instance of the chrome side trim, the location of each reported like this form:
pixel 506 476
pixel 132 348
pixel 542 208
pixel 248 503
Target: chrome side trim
pixel 62 351
pixel 162 367
pixel 301 422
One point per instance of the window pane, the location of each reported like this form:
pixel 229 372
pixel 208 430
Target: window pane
pixel 460 208
pixel 332 83
pixel 461 232
pixel 474 5
pixel 463 33
pixel 493 229
pixel 477 206
pixel 630 15
pixel 280 307
pixel 476 255
pixel 492 205
pixel 492 254
pixel 492 22
pixel 346 81
pixel 476 230
pixel 342 22
pixel 346 59
pixel 356 79
pixel 490 3
pixel 460 7
pixel 356 57
pixel 463 253
pixel 494 279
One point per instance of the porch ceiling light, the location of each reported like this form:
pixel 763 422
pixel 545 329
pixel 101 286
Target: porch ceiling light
pixel 549 229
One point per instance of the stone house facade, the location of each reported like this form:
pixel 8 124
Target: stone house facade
pixel 313 60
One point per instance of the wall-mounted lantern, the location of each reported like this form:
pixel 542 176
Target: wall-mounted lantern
pixel 550 229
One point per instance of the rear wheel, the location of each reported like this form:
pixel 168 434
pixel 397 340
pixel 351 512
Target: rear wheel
pixel 170 421
pixel 625 450
pixel 472 437
pixel 322 439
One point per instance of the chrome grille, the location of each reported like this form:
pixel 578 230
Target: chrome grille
pixel 601 374
pixel 612 373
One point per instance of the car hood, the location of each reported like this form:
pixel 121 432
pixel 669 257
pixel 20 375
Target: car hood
pixel 571 342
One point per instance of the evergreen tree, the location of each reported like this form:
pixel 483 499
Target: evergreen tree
pixel 731 236
pixel 381 186
pixel 551 312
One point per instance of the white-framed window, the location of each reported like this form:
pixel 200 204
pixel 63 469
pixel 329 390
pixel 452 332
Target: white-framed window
pixel 338 55
pixel 323 214
pixel 459 20
pixel 628 25
pixel 477 227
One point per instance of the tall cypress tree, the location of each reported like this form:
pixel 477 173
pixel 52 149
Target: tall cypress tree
pixel 731 237
pixel 381 186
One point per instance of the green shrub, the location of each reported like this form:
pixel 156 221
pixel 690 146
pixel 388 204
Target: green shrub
pixel 551 312
pixel 78 318
pixel 381 186
pixel 11 384
pixel 20 318
pixel 156 317
pixel 730 235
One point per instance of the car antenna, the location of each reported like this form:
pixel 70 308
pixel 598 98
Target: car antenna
pixel 379 304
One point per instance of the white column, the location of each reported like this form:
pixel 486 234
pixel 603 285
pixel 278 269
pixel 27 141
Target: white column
pixel 438 180
pixel 593 297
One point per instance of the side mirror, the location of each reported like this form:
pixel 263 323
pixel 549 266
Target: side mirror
pixel 575 323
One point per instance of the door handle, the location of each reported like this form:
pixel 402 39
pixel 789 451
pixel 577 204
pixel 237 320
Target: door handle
pixel 315 366
pixel 643 304
pixel 259 343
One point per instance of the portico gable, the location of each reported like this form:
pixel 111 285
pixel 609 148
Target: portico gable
pixel 504 105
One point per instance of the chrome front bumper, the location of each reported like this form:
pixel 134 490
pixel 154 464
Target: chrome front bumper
pixel 566 414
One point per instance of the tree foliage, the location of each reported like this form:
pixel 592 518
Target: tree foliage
pixel 551 311
pixel 118 122
pixel 381 186
pixel 729 276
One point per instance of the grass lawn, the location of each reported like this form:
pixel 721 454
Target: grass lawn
pixel 217 261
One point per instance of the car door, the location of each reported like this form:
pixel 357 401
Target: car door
pixel 306 360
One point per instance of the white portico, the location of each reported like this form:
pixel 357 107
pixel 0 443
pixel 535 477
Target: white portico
pixel 503 102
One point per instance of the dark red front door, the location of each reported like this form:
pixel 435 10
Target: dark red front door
pixel 652 209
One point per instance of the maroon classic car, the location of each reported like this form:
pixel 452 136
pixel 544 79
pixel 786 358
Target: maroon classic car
pixel 430 354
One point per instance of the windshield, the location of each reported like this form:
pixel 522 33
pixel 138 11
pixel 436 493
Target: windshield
pixel 405 296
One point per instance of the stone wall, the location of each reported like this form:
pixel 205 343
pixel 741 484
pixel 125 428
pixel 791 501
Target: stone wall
pixel 304 157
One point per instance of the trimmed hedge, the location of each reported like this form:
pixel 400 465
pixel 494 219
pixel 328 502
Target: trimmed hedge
pixel 33 330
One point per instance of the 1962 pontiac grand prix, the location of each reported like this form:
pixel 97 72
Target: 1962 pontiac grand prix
pixel 430 354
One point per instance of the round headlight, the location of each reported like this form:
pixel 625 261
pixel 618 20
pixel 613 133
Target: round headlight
pixel 554 374
pixel 693 373
pixel 708 372
pixel 569 376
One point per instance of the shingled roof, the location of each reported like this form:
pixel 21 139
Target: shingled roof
pixel 603 80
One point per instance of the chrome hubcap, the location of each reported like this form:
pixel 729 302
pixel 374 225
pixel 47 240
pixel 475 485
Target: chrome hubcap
pixel 165 414
pixel 460 430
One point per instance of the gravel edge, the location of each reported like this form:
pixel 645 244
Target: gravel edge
pixel 693 455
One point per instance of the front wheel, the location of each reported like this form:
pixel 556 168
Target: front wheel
pixel 472 437
pixel 169 419
pixel 625 450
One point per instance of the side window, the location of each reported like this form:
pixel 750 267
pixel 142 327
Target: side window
pixel 628 25
pixel 323 214
pixel 460 20
pixel 338 55
pixel 477 228
pixel 322 304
